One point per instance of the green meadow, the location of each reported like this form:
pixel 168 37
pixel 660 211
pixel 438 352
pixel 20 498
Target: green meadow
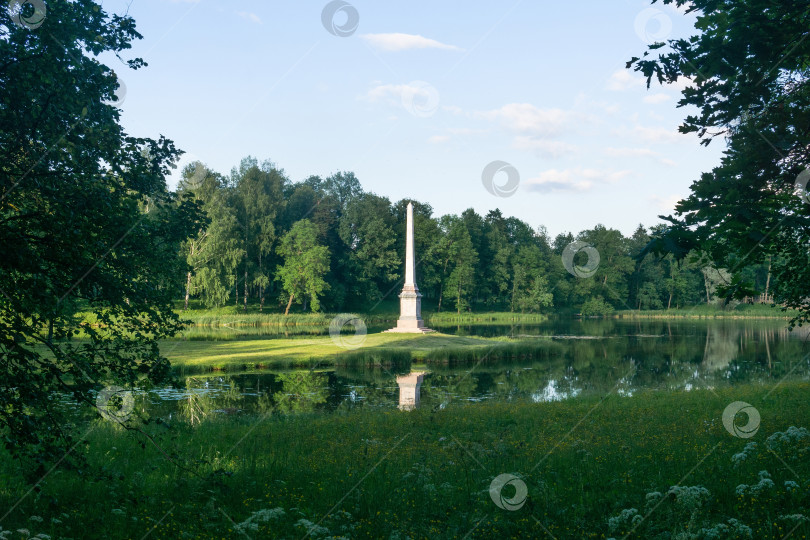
pixel 656 463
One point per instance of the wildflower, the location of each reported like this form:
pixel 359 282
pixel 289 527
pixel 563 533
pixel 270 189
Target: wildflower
pixel 689 497
pixel 312 529
pixel 628 516
pixel 260 516
pixel 749 451
pixel 791 486
pixel 796 518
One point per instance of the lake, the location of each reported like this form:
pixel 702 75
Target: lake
pixel 598 357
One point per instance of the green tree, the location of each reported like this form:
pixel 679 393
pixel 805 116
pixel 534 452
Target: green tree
pixel 259 201
pixel 344 187
pixel 649 297
pixel 367 228
pixel 309 200
pixel 461 280
pixel 748 65
pixel 534 297
pixel 305 264
pixel 214 252
pixel 615 266
pixel 88 230
pixel 596 307
pixel 502 250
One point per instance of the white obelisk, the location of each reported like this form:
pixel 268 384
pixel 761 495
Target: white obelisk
pixel 410 299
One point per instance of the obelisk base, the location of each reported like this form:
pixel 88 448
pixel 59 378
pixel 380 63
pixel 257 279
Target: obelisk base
pixel 410 312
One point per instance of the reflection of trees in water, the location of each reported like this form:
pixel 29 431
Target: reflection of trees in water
pixel 442 388
pixel 204 396
pixel 722 347
pixel 301 391
pixel 198 404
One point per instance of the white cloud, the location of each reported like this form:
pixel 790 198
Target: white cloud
pixel 542 147
pixel 249 16
pixel 391 93
pixel 652 134
pixel 417 97
pixel 658 134
pixel 666 204
pixel 684 82
pixel 439 139
pixel 624 80
pixel 528 119
pixel 656 98
pixel 630 152
pixel 404 42
pixel 466 131
pixel 638 153
pixel 577 180
pixel 534 129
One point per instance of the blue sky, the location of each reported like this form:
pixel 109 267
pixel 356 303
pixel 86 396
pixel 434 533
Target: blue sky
pixel 422 96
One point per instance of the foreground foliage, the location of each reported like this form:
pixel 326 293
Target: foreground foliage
pixel 749 81
pixel 657 465
pixel 86 222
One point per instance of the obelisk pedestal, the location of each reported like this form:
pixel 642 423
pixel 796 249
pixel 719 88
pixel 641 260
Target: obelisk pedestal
pixel 410 299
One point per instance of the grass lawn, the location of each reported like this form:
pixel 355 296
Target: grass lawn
pixel 304 351
pixel 656 465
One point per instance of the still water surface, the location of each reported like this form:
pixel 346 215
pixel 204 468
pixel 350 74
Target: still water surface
pixel 598 357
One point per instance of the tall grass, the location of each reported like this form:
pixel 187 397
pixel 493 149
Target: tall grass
pixel 502 317
pixel 234 317
pixel 592 468
pixel 706 311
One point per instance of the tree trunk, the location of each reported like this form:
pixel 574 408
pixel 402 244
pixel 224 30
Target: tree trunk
pixel 246 288
pixel 768 282
pixel 441 285
pixel 188 287
pixel 289 303
pixel 706 284
pixel 669 302
pixel 188 279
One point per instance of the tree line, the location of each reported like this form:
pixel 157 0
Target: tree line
pixel 327 244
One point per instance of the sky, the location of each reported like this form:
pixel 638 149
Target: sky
pixel 524 106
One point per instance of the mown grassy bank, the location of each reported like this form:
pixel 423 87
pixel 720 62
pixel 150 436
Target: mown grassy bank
pixel 593 468
pixel 376 349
